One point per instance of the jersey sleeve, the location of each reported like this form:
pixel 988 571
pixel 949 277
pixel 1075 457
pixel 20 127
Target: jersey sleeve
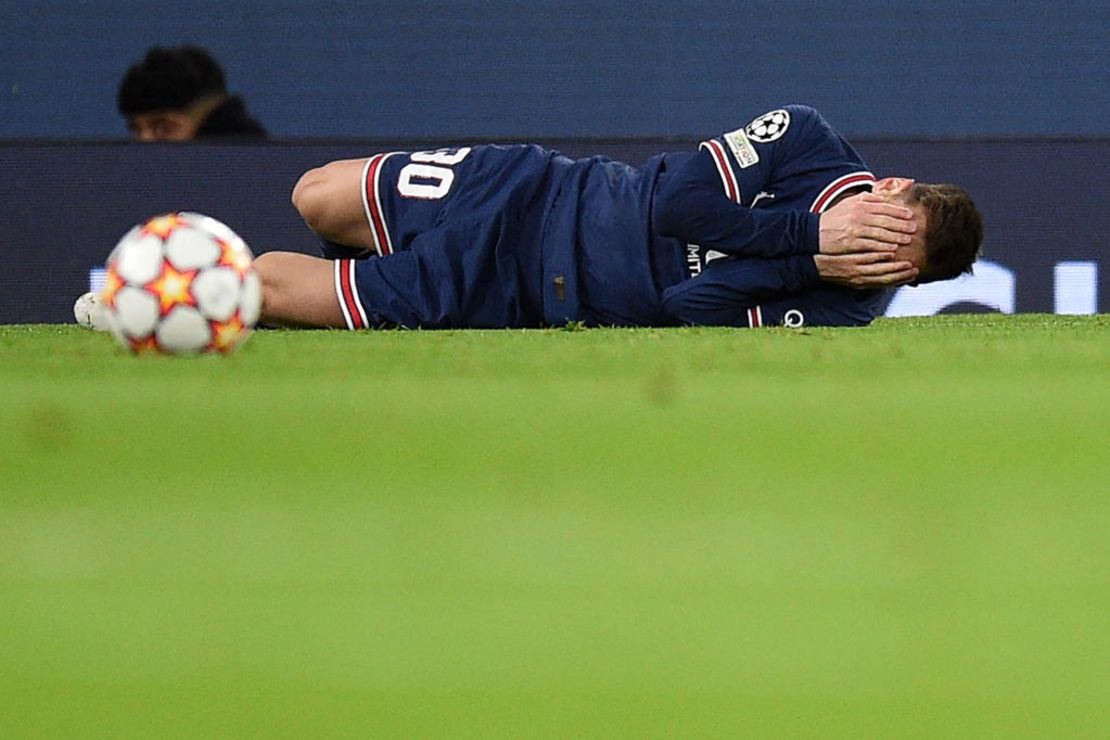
pixel 791 147
pixel 729 288
pixel 828 305
pixel 709 200
pixel 692 205
pixel 754 293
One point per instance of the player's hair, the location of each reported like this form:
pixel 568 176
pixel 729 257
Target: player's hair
pixel 953 231
pixel 170 79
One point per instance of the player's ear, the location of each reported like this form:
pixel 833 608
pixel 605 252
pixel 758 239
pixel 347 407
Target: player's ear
pixel 892 185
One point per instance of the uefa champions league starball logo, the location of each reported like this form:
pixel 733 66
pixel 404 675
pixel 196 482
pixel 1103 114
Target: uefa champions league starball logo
pixel 769 126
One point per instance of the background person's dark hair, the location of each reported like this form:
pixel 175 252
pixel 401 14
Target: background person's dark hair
pixel 170 79
pixel 179 94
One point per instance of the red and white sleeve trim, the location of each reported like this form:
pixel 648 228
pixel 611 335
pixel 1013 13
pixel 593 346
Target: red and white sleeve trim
pixel 755 317
pixel 372 202
pixel 728 177
pixel 347 291
pixel 838 186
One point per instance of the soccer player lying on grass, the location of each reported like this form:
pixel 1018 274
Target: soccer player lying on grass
pixel 776 223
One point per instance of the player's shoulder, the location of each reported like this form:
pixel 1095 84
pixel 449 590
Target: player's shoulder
pixel 787 121
pixel 777 131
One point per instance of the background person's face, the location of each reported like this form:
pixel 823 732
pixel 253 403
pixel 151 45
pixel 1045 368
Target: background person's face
pixel 165 125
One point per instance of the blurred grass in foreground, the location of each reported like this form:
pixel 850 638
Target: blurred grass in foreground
pixel 896 531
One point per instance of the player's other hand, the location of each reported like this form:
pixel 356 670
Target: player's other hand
pixel 865 270
pixel 865 223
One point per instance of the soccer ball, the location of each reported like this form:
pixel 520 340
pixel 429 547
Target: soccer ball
pixel 181 283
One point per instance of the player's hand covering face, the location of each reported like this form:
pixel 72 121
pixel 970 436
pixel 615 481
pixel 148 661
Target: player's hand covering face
pixel 879 236
pixel 868 222
pixel 865 270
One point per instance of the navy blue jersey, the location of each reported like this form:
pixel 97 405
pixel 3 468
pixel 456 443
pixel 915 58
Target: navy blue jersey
pixel 496 236
pixel 747 208
pixel 456 237
pixel 491 236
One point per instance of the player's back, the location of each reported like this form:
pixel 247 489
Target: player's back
pixel 598 246
pixel 610 265
pixel 538 238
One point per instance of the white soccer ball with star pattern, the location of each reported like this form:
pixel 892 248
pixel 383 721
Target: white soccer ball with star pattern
pixel 181 283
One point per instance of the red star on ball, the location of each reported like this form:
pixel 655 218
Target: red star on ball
pixel 112 284
pixel 173 288
pixel 163 226
pixel 226 334
pixel 144 346
pixel 233 257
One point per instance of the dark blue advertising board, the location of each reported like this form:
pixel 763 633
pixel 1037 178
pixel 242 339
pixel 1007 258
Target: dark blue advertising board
pixel 65 206
pixel 552 68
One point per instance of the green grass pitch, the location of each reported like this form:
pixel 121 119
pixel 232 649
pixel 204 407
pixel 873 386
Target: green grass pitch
pixel 901 531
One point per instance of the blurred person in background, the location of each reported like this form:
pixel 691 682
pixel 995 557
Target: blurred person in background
pixel 180 94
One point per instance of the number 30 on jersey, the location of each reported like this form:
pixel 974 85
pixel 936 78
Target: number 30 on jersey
pixel 428 175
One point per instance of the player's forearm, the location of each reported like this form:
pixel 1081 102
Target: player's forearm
pixel 690 206
pixel 712 221
pixel 727 288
